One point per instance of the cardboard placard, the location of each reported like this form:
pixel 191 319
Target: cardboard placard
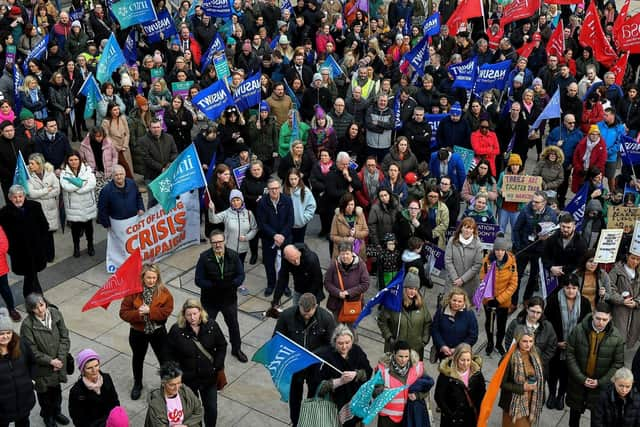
pixel 520 188
pixel 622 217
pixel 635 240
pixel 608 246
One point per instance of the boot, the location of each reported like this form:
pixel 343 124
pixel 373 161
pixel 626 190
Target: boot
pixel 560 402
pixel 76 250
pixel 136 391
pixel 551 400
pixel 90 249
pixel 50 422
pixel 489 348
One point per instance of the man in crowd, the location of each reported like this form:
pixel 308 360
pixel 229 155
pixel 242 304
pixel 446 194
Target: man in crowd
pixel 158 149
pixel 564 250
pixel 304 266
pixel 119 199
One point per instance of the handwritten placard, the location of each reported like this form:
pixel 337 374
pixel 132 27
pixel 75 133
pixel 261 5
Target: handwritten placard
pixel 520 188
pixel 622 217
pixel 608 246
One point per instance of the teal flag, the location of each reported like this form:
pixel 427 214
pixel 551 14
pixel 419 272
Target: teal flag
pixel 184 174
pixel 361 405
pixel 110 59
pixel 91 90
pixel 21 174
pixel 132 12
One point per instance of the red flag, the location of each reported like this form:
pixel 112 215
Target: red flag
pixel 563 1
pixel 125 281
pixel 629 34
pixel 592 35
pixel 622 16
pixel 620 67
pixel 519 9
pixel 466 9
pixel 526 49
pixel 555 46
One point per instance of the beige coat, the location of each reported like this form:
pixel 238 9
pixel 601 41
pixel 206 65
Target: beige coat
pixel 340 231
pixel 46 191
pixel 118 132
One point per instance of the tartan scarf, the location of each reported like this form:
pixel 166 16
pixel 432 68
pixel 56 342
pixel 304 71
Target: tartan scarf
pixel 521 405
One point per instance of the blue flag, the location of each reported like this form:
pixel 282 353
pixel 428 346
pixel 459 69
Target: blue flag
pixel 286 5
pixel 183 174
pixel 333 67
pixel 207 178
pixel 291 94
pixel 130 51
pixel 91 90
pixel 283 358
pixel 419 55
pixel 132 12
pixel 434 121
pixel 577 205
pixel 512 142
pixel 217 45
pixel 551 111
pixel 274 42
pixel 431 26
pixel 213 100
pixel 111 58
pixel 18 82
pixel 629 151
pixel 550 282
pixel 464 73
pixel 217 8
pixel 492 76
pixel 160 29
pixel 192 9
pixel 390 297
pixel 21 174
pixel 397 122
pixel 248 92
pixel 36 53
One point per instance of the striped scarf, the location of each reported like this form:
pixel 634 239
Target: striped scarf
pixel 521 404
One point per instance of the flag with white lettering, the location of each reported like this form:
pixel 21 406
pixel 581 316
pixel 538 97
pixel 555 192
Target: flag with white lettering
pixel 248 93
pixel 591 34
pixel 217 8
pixel 213 100
pixel 130 50
pixel 617 24
pixel 111 58
pixel 555 45
pixel 519 9
pixel 431 26
pixel 18 82
pixel 132 12
pixel 397 122
pixel 492 76
pixel 577 205
pixel 464 73
pixel 465 10
pixel 418 56
pixel 629 151
pixel 36 53
pixel 286 5
pixel 91 91
pixel 160 29
pixel 217 45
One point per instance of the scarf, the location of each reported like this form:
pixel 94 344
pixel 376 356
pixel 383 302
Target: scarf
pixel 521 404
pixel 46 322
pixel 94 387
pixel 372 182
pixel 586 159
pixel 569 318
pixel 325 167
pixel 147 297
pixel 465 242
pixel 399 370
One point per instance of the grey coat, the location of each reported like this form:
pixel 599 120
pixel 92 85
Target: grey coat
pixel 626 320
pixel 46 345
pixel 464 262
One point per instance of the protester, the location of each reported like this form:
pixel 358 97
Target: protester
pixel 463 257
pixel 119 199
pixel 44 188
pixel 619 403
pixel 625 298
pixel 453 323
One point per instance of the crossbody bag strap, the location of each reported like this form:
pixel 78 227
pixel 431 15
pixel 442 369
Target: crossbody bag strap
pixel 339 276
pixel 203 350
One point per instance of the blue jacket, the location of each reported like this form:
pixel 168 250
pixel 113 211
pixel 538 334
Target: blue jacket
pixel 401 190
pixel 456 169
pixel 611 136
pixel 54 152
pixel 452 133
pixel 275 220
pixel 451 333
pixel 119 203
pixel 525 226
pixel 570 141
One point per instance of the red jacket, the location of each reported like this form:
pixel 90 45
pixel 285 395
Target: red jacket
pixel 486 147
pixel 363 198
pixel 194 47
pixel 591 117
pixel 322 40
pixel 598 158
pixel 4 248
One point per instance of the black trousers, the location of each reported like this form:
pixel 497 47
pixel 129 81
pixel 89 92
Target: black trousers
pixel 31 283
pixel 209 398
pixel 230 314
pixel 295 395
pixel 79 228
pixel 139 342
pixel 500 324
pixel 574 418
pixel 558 375
pixel 50 401
pixel 50 247
pixel 522 260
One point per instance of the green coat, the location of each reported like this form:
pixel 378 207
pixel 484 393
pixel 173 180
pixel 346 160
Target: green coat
pixel 157 411
pixel 415 328
pixel 284 141
pixel 47 345
pixel 609 359
pixel 264 141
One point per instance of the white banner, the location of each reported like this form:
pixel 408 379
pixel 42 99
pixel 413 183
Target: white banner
pixel 635 240
pixel 154 232
pixel 608 246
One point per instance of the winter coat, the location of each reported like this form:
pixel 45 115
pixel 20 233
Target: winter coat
pixel 553 312
pixel 612 411
pixel 627 320
pixel 464 262
pixel 355 281
pixel 219 286
pixel 26 230
pixel 80 203
pixel 54 151
pixel 47 344
pixel 16 389
pixel 398 189
pixel 379 124
pixel 341 231
pixel 509 387
pixel 381 220
pixel 552 173
pixel 89 409
pixel 480 217
pixel 459 404
pixel 59 101
pixel 264 141
pixel 45 191
pixel 336 185
pixel 157 153
pixel 568 257
pixel 118 132
pixel 407 163
pixel 570 140
pixel 506 278
pixel 486 147
pixel 157 411
pixel 452 133
pixel 119 203
pixel 8 158
pixel 526 227
pixel 284 139
pixel 452 330
pixel 306 163
pixel 598 158
pixel 159 310
pixel 602 280
pixel 198 371
pixel 404 229
pixel 364 197
pixel 109 155
pixel 313 334
pixel 611 135
pixel 609 359
pixel 303 210
pixel 37 107
pixel 307 276
pixel 236 224
pixel 179 126
pixel 414 327
pixel 4 249
pixel 545 338
pixel 593 225
pixel 275 220
pixel 252 188
pixel 471 188
pixel 455 169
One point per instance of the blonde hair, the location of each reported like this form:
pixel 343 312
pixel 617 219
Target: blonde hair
pixel 339 331
pixel 455 291
pixel 192 303
pixel 27 82
pixel 154 268
pixel 460 349
pixel 406 301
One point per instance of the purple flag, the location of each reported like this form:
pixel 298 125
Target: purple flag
pixel 485 289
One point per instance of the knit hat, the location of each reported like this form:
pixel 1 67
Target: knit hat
pixel 283 39
pixel 519 78
pixel 594 129
pixel 26 114
pixel 157 57
pixel 281 24
pixel 231 40
pixel 85 356
pixel 5 321
pixel 141 100
pixel 15 10
pixel 5 123
pixel 412 279
pixel 514 159
pixel 264 106
pixel 317 76
pixel 501 243
pixel 175 40
pixel 118 418
pixel 236 194
pixel 125 80
pixel 320 114
pixel 456 109
pixel 388 237
pixel 537 81
pixel 76 23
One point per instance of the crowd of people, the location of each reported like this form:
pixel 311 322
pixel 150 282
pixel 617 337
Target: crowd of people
pixel 344 129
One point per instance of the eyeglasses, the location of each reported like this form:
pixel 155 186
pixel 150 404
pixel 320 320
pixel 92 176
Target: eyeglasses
pixel 216 242
pixel 274 189
pixel 570 123
pixel 536 312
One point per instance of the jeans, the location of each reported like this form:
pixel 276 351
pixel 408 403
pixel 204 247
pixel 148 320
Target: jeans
pixel 50 401
pixel 209 398
pixel 139 342
pixel 297 234
pixel 230 314
pixel 500 324
pixel 5 291
pixel 507 218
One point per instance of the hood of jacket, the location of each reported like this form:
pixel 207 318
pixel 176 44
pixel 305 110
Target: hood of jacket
pixel 357 212
pixel 446 367
pixel 593 205
pixel 409 256
pixel 386 358
pixel 553 149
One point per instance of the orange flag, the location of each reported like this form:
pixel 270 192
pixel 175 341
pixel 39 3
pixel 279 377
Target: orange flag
pixel 493 389
pixel 125 281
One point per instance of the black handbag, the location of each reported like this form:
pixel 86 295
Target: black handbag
pixel 71 365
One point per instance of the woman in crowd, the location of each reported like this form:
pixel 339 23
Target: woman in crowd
pixel 412 324
pixel 109 96
pixel 346 279
pixel 297 158
pixel 353 143
pixel 349 226
pixel 6 113
pixel 453 323
pixel 438 214
pixel 44 188
pixel 74 79
pixel 593 281
pixel 116 128
pixel 173 403
pixel 47 335
pixel 147 313
pixel 220 187
pixel 460 388
pixel 319 172
pixel 78 192
pixel 485 143
pixel 410 222
pixel 509 211
pixel 565 309
pixel 399 368
pixel 480 180
pixel 351 359
pixel 480 211
pixel 382 216
pixel 533 319
pixel 253 188
pixel 5 290
pixel 629 110
pixel 322 135
pixel 522 395
pixel 179 122
pixel 401 155
pixel 232 127
pixel 304 204
pixel 159 96
pixel 263 135
pixel 32 98
pixel 198 345
pixel 450 196
pixel 619 403
pixel 94 395
pixel 550 168
pixel 60 102
pixel 463 256
pixel 98 153
pixel 625 298
pixel 16 370
pixel 395 183
pixel 590 152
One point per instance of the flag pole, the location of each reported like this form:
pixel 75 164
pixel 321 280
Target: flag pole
pixel 310 353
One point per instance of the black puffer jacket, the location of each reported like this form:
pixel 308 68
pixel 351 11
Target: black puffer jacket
pixel 454 397
pixel 312 335
pixel 612 411
pixel 252 189
pixel 89 409
pixel 16 389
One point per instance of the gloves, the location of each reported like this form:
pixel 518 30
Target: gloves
pixel 361 375
pixel 493 303
pixel 325 387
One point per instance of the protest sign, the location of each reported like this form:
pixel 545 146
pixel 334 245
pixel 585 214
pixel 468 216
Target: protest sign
pixel 181 89
pixel 487 234
pixel 161 28
pixel 239 173
pixel 608 246
pixel 622 217
pixel 520 188
pixel 156 233
pixel 436 255
pixel 635 240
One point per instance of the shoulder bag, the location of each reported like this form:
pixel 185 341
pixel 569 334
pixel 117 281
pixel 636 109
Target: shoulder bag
pixel 350 309
pixel 221 378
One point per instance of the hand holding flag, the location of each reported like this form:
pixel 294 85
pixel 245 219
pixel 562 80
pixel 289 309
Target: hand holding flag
pixel 390 297
pixel 486 287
